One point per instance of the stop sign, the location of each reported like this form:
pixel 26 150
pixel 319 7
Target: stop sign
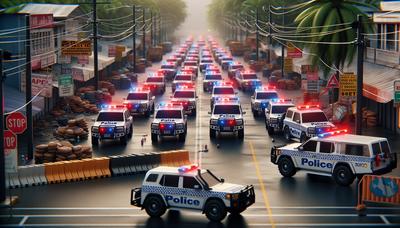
pixel 16 122
pixel 10 140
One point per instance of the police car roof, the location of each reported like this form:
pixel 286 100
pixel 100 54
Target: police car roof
pixel 305 110
pixel 282 103
pixel 350 138
pixel 173 170
pixel 112 110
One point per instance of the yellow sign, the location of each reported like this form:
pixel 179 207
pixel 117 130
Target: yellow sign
pixel 288 65
pixel 348 85
pixel 71 47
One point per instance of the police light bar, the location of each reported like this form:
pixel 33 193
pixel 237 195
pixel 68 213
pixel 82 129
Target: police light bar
pixel 332 133
pixel 219 83
pixel 108 106
pixel 226 99
pixel 268 87
pixel 187 168
pixel 281 100
pixel 168 105
pixel 308 106
pixel 184 86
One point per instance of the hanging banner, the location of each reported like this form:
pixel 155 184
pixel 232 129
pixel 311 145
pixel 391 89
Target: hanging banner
pixel 348 85
pixel 39 21
pixel 42 82
pixel 77 74
pixel 293 52
pixel 72 47
pixel 65 85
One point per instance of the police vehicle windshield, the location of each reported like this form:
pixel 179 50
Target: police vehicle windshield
pixel 184 94
pixel 213 77
pixel 249 76
pixel 227 109
pixel 280 109
pixel 191 63
pixel 234 67
pixel 110 116
pixel 168 66
pixel 210 179
pixel 154 79
pixel 266 95
pixel 137 96
pixel 314 117
pixel 206 61
pixel 183 78
pixel 170 114
pixel 225 91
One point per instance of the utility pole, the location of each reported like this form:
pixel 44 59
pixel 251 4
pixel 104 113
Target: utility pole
pixel 151 28
pixel 283 49
pixel 144 33
pixel 360 74
pixel 134 38
pixel 159 29
pixel 95 50
pixel 269 33
pixel 2 159
pixel 257 34
pixel 28 89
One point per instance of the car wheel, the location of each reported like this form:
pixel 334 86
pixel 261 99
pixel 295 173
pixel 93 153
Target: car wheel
pixel 154 206
pixel 303 137
pixel 255 113
pixel 343 175
pixel 241 134
pixel 286 133
pixel 130 134
pixel 271 130
pixel 147 113
pixel 286 167
pixel 182 137
pixel 123 140
pixel 154 137
pixel 95 141
pixel 213 133
pixel 215 210
pixel 152 108
pixel 194 112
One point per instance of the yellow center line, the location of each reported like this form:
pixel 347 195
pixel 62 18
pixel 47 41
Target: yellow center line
pixel 261 182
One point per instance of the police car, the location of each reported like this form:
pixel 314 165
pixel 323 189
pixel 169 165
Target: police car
pixel 227 116
pixel 225 61
pixel 305 121
pixel 113 122
pixel 169 120
pixel 261 98
pixel 186 97
pixel 193 65
pixel 140 101
pixel 182 79
pixel 204 63
pixel 233 67
pixel 247 80
pixel 170 69
pixel 155 84
pixel 189 187
pixel 275 113
pixel 222 89
pixel 338 154
pixel 210 79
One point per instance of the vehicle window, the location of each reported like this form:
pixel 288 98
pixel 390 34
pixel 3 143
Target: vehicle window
pixel 213 77
pixel 226 109
pixel 183 78
pixel 289 114
pixel 224 91
pixel 296 117
pixel 168 67
pixel 267 95
pixel 356 150
pixel 280 109
pixel 190 64
pixel 314 117
pixel 110 116
pixel 206 61
pixel 184 94
pixel 137 96
pixel 170 181
pixel 249 76
pixel 236 67
pixel 152 177
pixel 385 147
pixel 310 146
pixel 209 179
pixel 170 114
pixel 154 79
pixel 376 148
pixel 190 182
pixel 326 147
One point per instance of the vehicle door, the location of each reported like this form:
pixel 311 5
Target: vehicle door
pixel 306 158
pixel 381 155
pixel 171 190
pixel 193 192
pixel 295 125
pixel 324 156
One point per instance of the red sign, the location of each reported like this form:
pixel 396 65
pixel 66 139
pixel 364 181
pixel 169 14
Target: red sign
pixel 38 21
pixel 312 76
pixel 16 122
pixel 10 140
pixel 293 51
pixel 332 82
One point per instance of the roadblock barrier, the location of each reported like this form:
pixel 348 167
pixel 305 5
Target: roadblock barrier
pixel 175 158
pixel 378 189
pixel 13 180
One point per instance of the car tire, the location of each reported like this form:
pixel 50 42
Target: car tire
pixel 286 167
pixel 286 133
pixel 154 206
pixel 147 113
pixel 213 133
pixel 152 109
pixel 241 134
pixel 303 137
pixel 95 141
pixel 154 138
pixel 182 137
pixel 215 210
pixel 194 112
pixel 343 175
pixel 123 139
pixel 270 130
pixel 255 113
pixel 130 134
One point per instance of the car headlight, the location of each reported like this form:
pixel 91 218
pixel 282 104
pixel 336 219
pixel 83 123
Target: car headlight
pixel 143 105
pixel 311 130
pixel 233 196
pixel 213 121
pixel 95 129
pixel 239 122
pixel 154 126
pixel 120 129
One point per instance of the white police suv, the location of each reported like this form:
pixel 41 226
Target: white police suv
pixel 210 79
pixel 227 117
pixel 247 80
pixel 140 101
pixel 113 122
pixel 222 89
pixel 187 98
pixel 275 113
pixel 169 120
pixel 338 154
pixel 305 121
pixel 189 187
pixel 261 98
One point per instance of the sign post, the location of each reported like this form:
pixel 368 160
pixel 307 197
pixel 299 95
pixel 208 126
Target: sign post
pixel 65 85
pixel 396 99
pixel 348 85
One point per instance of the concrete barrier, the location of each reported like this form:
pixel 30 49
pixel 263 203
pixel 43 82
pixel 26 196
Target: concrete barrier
pixel 12 180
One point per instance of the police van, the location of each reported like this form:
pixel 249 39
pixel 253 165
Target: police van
pixel 189 187
pixel 305 121
pixel 338 154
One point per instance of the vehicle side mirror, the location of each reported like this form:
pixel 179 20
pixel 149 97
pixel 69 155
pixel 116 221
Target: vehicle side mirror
pixel 153 97
pixel 196 186
pixel 222 180
pixel 186 116
pixel 300 148
pixel 244 113
pixel 151 116
pixel 252 97
pixel 298 121
pixel 209 113
pixel 197 97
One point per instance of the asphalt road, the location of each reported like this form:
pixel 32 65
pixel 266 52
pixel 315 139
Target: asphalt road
pixel 301 201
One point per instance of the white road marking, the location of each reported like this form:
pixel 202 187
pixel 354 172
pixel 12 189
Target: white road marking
pixel 23 220
pixel 384 219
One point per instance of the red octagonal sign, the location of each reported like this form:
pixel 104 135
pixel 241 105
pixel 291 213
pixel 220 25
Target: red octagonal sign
pixel 10 140
pixel 16 122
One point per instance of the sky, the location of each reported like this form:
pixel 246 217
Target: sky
pixel 196 20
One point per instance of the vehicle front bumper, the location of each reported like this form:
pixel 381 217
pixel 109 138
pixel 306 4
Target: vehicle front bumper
pixel 136 197
pixel 226 128
pixel 115 135
pixel 246 198
pixel 165 133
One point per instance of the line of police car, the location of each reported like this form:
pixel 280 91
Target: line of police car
pixel 323 149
